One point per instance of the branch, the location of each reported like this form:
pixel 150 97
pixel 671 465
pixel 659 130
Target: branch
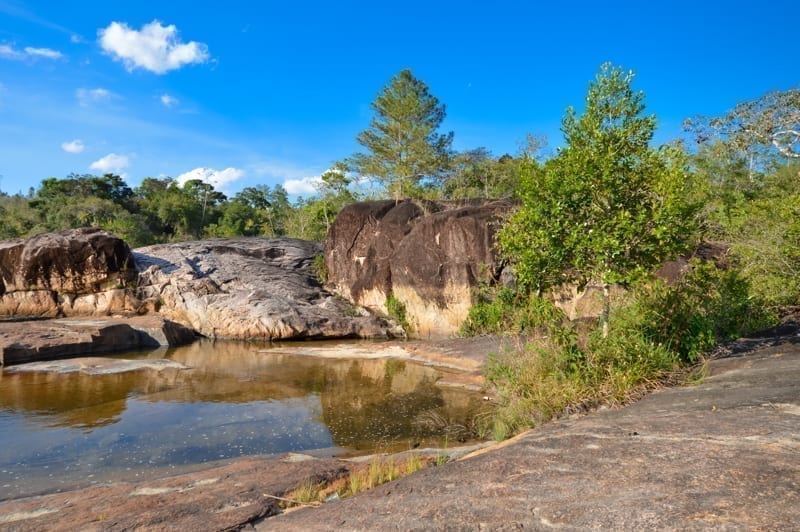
pixel 786 149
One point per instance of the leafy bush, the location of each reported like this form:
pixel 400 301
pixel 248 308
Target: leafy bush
pixel 653 335
pixel 505 311
pixel 709 305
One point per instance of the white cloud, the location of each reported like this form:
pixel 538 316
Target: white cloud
pixel 43 52
pixel 111 164
pixel 217 178
pixel 155 47
pixel 76 39
pixel 305 185
pixel 73 146
pixel 89 96
pixel 168 100
pixel 9 52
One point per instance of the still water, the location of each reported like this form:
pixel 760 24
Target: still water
pixel 237 399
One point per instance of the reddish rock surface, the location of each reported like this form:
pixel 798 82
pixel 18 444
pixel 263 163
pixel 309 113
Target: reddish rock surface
pixel 49 339
pixel 721 455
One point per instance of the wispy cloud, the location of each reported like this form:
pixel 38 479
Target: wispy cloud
pixel 87 97
pixel 218 178
pixel 111 164
pixel 8 51
pixel 169 101
pixel 73 146
pixel 43 52
pixel 154 47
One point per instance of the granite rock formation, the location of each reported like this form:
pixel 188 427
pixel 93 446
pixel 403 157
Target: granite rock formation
pixel 429 255
pixel 249 288
pixel 76 272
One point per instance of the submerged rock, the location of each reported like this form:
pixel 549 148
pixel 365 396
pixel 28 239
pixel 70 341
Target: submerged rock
pixel 249 288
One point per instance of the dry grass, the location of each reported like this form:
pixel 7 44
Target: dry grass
pixel 362 477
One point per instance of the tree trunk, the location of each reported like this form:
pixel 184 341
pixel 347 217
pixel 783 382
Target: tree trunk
pixel 606 308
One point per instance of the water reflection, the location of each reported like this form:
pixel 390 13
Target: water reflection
pixel 234 401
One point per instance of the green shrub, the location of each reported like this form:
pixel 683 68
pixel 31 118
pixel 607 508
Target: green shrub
pixel 655 333
pixel 709 305
pixel 505 311
pixel 396 310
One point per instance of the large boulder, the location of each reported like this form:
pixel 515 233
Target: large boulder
pixel 77 272
pixel 428 255
pixel 249 288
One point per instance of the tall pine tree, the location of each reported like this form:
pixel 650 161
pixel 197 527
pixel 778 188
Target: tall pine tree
pixel 402 143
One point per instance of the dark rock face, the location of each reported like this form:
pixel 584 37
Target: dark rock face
pixel 429 255
pixel 248 288
pixel 69 273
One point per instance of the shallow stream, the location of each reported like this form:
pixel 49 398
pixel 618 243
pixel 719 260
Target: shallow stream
pixel 62 430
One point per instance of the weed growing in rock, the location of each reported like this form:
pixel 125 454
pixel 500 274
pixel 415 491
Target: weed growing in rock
pixel 320 269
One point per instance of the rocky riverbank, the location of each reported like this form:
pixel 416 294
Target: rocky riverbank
pixel 722 454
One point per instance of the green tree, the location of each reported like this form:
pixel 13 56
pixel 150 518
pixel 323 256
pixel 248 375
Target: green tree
pixel 402 143
pixel 334 193
pixel 477 174
pixel 755 130
pixel 608 208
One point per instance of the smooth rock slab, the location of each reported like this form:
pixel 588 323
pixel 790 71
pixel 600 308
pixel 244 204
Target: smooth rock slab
pixel 95 366
pixel 30 341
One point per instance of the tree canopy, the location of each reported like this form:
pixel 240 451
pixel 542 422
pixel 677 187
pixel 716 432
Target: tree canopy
pixel 608 207
pixel 402 143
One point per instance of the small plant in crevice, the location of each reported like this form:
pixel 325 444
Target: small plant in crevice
pixel 320 269
pixel 396 310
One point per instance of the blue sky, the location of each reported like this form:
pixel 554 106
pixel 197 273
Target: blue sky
pixel 245 93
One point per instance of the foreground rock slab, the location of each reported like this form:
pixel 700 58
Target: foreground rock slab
pixel 721 455
pixel 76 337
pixel 724 454
pixel 220 498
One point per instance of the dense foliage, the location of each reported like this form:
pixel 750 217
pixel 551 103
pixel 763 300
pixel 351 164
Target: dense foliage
pixel 609 207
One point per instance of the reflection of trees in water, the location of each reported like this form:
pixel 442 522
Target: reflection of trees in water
pixel 364 413
pixel 70 400
pixel 365 403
